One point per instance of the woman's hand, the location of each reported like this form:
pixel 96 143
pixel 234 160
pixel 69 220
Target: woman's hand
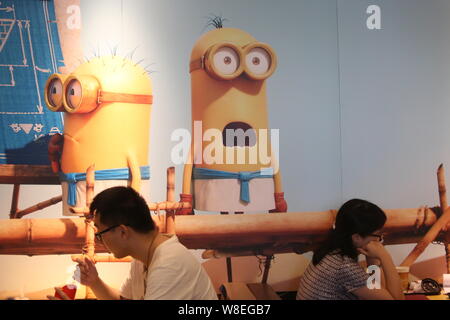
pixel 374 249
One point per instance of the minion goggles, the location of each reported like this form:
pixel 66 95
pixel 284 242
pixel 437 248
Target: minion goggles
pixel 82 94
pixel 226 61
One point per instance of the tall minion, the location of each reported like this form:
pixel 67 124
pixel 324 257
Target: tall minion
pixel 229 69
pixel 107 105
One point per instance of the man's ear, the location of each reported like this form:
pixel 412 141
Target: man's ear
pixel 125 231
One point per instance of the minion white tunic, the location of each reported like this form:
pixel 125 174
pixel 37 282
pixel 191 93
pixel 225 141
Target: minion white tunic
pixel 226 195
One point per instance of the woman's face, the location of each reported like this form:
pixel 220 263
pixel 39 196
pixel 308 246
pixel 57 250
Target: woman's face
pixel 360 241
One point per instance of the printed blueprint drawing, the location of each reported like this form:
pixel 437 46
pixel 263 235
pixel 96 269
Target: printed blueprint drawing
pixel 29 53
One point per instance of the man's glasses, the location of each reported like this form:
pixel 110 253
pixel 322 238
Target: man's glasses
pixel 98 235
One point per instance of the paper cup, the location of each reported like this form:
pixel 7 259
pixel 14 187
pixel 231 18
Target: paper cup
pixel 403 272
pixel 69 289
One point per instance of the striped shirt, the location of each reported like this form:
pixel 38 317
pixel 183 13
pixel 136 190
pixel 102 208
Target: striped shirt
pixel 335 277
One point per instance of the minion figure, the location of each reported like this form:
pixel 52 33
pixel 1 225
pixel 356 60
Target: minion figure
pixel 107 104
pixel 229 69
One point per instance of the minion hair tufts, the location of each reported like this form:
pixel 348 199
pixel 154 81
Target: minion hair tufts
pixel 138 62
pixel 215 21
pixel 148 71
pixel 114 51
pixel 131 53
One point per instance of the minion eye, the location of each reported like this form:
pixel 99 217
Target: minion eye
pixel 55 92
pixel 226 60
pixel 73 94
pixel 258 61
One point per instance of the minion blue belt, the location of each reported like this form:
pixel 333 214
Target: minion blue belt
pixel 108 174
pixel 244 177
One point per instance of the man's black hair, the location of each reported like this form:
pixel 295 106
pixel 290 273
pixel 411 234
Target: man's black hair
pixel 123 205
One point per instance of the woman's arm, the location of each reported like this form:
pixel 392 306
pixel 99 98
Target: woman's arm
pixel 375 251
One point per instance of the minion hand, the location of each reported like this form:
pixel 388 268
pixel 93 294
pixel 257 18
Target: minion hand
pixel 185 211
pixel 55 147
pixel 280 203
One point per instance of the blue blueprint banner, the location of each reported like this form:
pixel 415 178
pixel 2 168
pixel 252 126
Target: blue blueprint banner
pixel 29 52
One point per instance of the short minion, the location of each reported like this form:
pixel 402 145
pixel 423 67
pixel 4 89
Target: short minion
pixel 107 104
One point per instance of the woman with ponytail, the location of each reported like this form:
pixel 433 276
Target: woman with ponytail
pixel 335 274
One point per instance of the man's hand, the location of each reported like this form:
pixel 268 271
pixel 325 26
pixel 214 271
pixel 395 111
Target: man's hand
pixel 61 293
pixel 88 271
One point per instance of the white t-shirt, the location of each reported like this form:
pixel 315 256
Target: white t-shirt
pixel 174 274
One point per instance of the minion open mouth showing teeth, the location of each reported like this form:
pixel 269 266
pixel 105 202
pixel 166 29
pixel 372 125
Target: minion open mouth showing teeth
pixel 233 137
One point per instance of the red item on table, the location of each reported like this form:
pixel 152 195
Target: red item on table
pixel 69 289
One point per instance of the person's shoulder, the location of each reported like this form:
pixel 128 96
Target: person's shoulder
pixel 172 242
pixel 172 248
pixel 336 257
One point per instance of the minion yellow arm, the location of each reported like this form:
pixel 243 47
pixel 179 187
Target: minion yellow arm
pixel 135 173
pixel 277 182
pixel 187 175
pixel 277 176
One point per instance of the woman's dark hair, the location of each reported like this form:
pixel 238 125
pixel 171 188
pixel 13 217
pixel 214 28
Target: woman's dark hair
pixel 123 205
pixel 356 216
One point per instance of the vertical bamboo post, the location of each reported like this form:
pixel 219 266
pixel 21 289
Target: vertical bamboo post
pixel 15 201
pixel 90 231
pixel 266 269
pixel 444 205
pixel 170 214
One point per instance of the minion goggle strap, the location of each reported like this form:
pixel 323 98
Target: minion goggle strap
pixel 82 94
pixel 226 61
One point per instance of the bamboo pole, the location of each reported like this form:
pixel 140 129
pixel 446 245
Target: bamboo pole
pixel 14 201
pixel 27 174
pixel 437 227
pixel 102 258
pixel 235 231
pixel 153 206
pixel 427 239
pixel 218 232
pixel 39 206
pixel 89 248
pixel 444 205
pixel 170 214
pixel 266 269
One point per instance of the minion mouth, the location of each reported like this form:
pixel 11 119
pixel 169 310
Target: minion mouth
pixel 238 134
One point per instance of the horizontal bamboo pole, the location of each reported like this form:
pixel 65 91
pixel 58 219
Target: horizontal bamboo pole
pixel 27 174
pixel 213 231
pixel 153 206
pixel 283 231
pixel 102 258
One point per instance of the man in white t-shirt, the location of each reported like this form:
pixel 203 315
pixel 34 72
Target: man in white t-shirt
pixel 162 267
